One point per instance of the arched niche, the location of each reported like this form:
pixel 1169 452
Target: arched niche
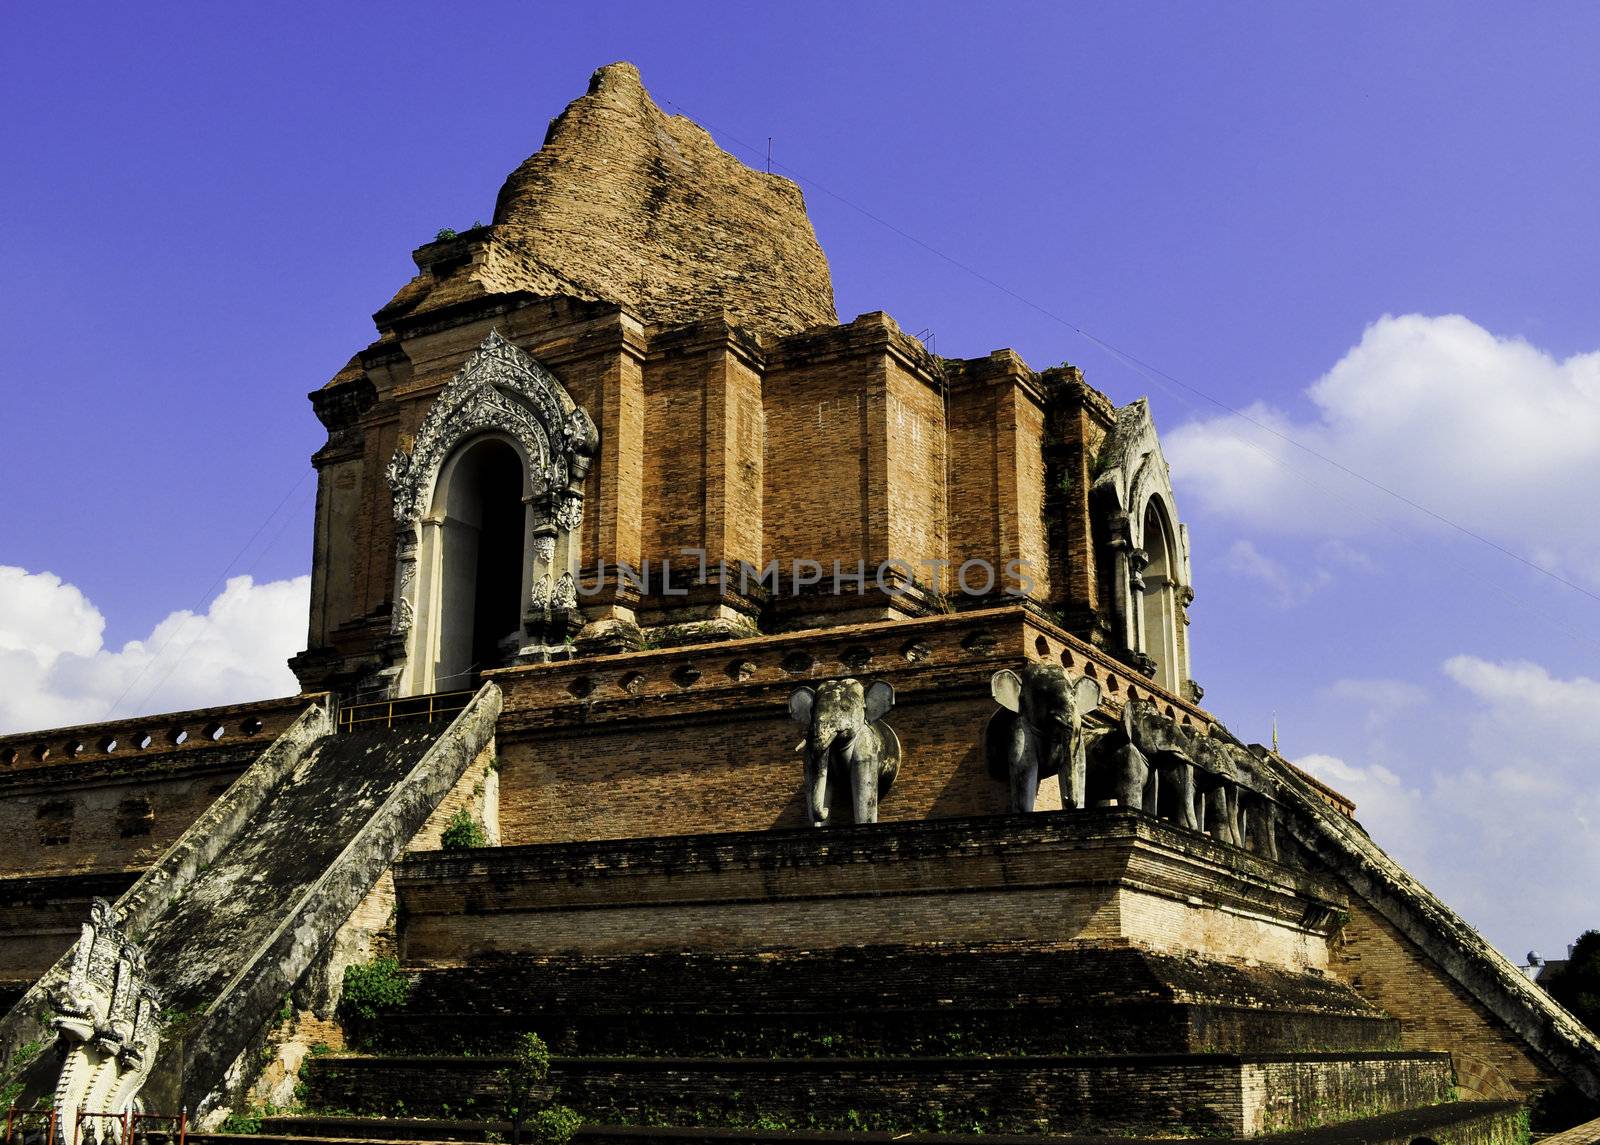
pixel 1147 548
pixel 1160 609
pixel 488 503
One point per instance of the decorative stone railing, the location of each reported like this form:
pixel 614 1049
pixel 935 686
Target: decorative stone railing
pixel 150 736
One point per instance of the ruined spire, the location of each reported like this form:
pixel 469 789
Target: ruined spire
pixel 644 209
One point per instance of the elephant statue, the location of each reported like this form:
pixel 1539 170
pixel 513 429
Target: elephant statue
pixel 1163 744
pixel 847 739
pixel 1258 824
pixel 1038 732
pixel 1258 811
pixel 1119 772
pixel 1217 783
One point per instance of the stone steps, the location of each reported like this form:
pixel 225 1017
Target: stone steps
pixel 1134 1027
pixel 1142 1094
pixel 1466 1123
pixel 930 976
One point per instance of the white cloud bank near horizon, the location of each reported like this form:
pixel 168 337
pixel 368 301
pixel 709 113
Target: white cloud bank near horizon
pixel 1477 776
pixel 1502 821
pixel 1493 433
pixel 55 670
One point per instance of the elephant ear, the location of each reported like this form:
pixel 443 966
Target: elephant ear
pixel 1086 695
pixel 800 706
pixel 880 698
pixel 1006 687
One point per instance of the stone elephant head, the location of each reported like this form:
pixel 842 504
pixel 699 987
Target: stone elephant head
pixel 1118 772
pixel 1168 754
pixel 846 740
pixel 1038 732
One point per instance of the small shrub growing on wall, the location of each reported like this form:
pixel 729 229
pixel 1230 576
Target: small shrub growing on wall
pixel 463 832
pixel 554 1125
pixel 372 989
pixel 526 1095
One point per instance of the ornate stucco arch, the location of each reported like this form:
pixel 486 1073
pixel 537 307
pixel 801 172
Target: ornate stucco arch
pixel 500 393
pixel 1151 584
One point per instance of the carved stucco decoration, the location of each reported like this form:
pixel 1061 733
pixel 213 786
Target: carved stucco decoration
pixel 1132 476
pixel 502 388
pixel 107 1018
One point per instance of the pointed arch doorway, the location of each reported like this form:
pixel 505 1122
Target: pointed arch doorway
pixel 475 537
pixel 488 506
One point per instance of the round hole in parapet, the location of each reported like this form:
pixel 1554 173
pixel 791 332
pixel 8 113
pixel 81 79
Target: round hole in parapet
pixel 215 732
pixel 109 744
pixel 856 657
pixel 685 675
pixel 75 748
pixel 178 736
pixel 41 752
pixel 10 756
pixel 581 687
pixel 1041 646
pixel 916 650
pixel 631 682
pixel 981 643
pixel 142 740
pixel 250 727
pixel 797 662
pixel 741 670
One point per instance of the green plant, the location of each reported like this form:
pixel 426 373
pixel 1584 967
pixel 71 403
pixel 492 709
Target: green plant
pixel 463 832
pixel 1576 985
pixel 373 988
pixel 242 1123
pixel 530 1068
pixel 20 1061
pixel 444 233
pixel 554 1125
pixel 320 1049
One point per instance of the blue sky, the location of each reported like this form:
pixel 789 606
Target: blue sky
pixel 1372 228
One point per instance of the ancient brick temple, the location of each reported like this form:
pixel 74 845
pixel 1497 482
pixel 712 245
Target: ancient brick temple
pixel 793 728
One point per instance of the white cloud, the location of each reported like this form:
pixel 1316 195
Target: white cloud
pixel 1501 814
pixel 1285 588
pixel 1493 433
pixel 1378 701
pixel 1395 815
pixel 55 671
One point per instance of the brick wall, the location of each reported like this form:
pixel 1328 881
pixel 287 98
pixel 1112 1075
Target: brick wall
pixel 685 740
pixel 838 443
pixel 1436 1012
pixel 1103 874
pixel 112 796
pixel 1119 1095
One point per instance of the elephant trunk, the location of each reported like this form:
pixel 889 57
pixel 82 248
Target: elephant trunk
pixel 825 746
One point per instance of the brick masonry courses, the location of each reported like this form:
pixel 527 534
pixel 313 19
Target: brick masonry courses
pixel 1137 1094
pixel 720 752
pixel 1105 874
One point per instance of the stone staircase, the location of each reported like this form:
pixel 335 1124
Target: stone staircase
pixel 251 896
pixel 878 1043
